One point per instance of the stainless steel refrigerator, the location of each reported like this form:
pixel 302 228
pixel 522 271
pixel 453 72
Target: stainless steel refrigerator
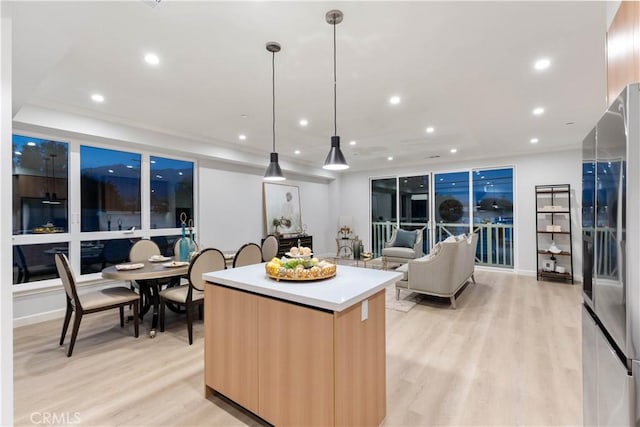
pixel 611 265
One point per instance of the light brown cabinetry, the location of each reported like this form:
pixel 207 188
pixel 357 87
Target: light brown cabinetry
pixel 293 364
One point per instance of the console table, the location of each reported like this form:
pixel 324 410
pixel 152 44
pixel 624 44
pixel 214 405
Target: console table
pixel 286 243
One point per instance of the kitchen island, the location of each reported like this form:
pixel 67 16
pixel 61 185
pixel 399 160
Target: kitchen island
pixel 299 353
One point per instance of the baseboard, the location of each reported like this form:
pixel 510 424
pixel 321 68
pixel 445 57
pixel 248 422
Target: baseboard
pixel 38 318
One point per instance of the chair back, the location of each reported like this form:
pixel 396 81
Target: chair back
pixel 142 250
pixel 269 247
pixel 208 260
pixel 248 254
pixel 176 247
pixel 68 280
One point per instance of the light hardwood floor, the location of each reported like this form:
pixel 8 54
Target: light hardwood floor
pixel 509 355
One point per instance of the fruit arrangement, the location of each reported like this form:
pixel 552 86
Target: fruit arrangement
pixel 299 269
pixel 300 252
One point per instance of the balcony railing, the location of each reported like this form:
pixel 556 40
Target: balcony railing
pixel 495 241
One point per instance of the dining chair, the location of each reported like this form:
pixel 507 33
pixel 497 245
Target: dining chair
pixel 104 299
pixel 269 247
pixel 192 294
pixel 142 250
pixel 248 254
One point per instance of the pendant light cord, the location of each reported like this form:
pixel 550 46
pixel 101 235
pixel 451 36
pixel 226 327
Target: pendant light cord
pixel 273 87
pixel 335 92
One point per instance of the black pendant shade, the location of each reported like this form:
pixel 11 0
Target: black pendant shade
pixel 335 159
pixel 274 173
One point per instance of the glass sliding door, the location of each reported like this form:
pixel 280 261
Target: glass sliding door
pixel 493 216
pixel 414 206
pixel 383 211
pixel 451 209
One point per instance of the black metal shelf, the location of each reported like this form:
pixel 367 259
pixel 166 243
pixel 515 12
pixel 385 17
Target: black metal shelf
pixel 546 196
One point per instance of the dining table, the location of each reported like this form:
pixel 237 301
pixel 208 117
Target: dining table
pixel 148 275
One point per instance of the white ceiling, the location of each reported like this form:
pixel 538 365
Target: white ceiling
pixel 465 68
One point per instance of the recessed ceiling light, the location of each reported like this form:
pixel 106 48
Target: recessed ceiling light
pixel 430 129
pixel 421 185
pixel 110 171
pixel 242 137
pixel 534 140
pixel 243 116
pixel 405 181
pixel 389 158
pixel 96 97
pixel 453 150
pixel 542 64
pixel 151 59
pixel 352 142
pixel 296 152
pixel 18 153
pixel 31 144
pixel 538 110
pixel 303 122
pixel 394 100
pixel 129 167
pixel 180 173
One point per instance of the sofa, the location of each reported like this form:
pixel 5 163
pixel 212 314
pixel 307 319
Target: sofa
pixel 444 271
pixel 396 251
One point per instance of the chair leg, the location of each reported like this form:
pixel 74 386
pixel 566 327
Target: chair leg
pixel 189 311
pixel 473 278
pixel 397 293
pixel 65 325
pixel 122 316
pixel 136 320
pixel 200 310
pixel 74 333
pixel 453 301
pixel 162 304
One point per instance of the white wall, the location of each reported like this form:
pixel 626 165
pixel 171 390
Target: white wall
pixel 231 209
pixel 562 167
pixel 6 308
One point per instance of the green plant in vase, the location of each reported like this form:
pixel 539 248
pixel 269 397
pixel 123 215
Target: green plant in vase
pixel 276 223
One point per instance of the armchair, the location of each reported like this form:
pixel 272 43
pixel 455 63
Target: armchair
pixel 394 251
pixel 444 272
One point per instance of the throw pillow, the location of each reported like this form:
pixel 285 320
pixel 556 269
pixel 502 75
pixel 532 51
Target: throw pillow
pixel 404 239
pixel 450 239
pixel 435 249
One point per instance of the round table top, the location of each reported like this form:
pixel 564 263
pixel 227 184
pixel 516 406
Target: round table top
pixel 151 270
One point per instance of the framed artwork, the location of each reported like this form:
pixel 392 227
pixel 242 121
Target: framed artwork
pixel 281 208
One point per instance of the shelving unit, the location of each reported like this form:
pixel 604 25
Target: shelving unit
pixel 553 226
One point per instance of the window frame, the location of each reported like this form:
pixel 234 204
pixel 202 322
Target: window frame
pixel 75 236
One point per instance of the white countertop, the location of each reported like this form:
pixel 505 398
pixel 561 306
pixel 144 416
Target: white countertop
pixel 349 286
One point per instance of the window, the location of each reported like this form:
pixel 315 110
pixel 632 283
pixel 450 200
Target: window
pixel 383 211
pixel 171 191
pixel 451 204
pixel 493 216
pixel 36 262
pixel 39 186
pixel 109 189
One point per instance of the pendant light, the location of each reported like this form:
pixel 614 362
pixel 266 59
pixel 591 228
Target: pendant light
pixel 335 159
pixel 274 173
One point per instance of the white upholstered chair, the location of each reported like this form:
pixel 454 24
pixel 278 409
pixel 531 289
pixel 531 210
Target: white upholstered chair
pixel 104 299
pixel 269 247
pixel 395 251
pixel 192 294
pixel 248 254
